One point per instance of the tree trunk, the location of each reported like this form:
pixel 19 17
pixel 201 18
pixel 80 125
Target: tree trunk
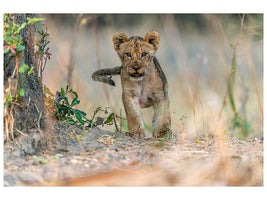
pixel 24 116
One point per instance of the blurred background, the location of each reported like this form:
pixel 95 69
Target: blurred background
pixel 197 52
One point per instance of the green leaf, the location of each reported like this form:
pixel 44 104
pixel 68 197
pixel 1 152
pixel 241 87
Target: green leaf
pixel 74 102
pixel 67 87
pixel 106 110
pixel 110 118
pixel 70 112
pixel 62 92
pixel 232 46
pixel 78 116
pixel 23 68
pixel 71 121
pixel 66 101
pixel 21 92
pixel 32 20
pixel 19 48
pixel 8 98
pixel 30 71
pixel 80 112
pixel 75 93
pixel 42 161
pixel 64 118
pixel 8 39
pixel 56 157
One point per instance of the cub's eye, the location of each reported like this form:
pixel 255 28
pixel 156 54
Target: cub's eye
pixel 144 54
pixel 128 54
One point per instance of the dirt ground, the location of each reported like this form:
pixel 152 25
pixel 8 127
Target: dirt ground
pixel 93 157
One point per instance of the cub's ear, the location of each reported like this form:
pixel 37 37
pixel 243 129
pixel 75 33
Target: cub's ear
pixel 118 39
pixel 152 38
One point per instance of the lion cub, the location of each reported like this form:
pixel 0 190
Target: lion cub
pixel 143 82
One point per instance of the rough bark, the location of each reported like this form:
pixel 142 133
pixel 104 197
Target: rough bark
pixel 29 110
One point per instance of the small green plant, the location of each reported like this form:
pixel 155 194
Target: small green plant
pixel 64 110
pixel 239 122
pixel 96 121
pixel 43 51
pixel 12 39
pixel 13 47
pixel 8 97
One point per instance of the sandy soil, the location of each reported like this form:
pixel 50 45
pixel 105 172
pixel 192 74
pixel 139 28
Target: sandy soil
pixel 84 157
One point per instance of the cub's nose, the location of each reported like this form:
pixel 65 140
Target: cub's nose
pixel 136 68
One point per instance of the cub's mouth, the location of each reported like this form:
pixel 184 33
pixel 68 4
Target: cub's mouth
pixel 136 75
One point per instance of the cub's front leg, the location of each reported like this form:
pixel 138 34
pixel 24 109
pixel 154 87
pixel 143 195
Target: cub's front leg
pixel 162 119
pixel 132 109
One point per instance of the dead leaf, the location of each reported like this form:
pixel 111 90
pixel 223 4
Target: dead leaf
pixel 106 139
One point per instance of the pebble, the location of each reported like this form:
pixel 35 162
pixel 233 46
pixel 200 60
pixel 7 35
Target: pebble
pixel 74 161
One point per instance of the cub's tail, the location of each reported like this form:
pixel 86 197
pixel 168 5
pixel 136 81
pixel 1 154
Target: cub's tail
pixel 102 75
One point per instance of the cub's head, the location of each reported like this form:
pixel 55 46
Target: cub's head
pixel 136 53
